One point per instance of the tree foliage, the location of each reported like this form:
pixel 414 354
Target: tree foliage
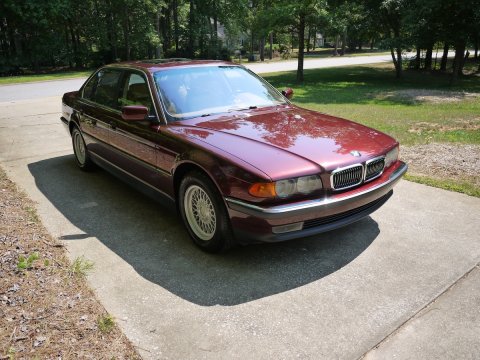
pixel 73 33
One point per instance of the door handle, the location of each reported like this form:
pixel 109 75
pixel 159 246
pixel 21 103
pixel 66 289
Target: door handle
pixel 112 125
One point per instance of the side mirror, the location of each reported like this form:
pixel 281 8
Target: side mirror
pixel 288 93
pixel 134 113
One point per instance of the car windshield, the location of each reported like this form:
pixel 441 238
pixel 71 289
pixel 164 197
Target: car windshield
pixel 206 90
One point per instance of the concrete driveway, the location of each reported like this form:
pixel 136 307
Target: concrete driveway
pixel 402 283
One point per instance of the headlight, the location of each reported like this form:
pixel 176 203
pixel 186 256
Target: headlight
pixel 307 184
pixel 391 157
pixel 285 188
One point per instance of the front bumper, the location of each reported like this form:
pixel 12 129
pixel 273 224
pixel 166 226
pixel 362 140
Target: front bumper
pixel 254 223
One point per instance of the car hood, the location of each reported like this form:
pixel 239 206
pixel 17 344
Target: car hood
pixel 296 138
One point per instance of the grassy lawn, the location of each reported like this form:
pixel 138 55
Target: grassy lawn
pixel 43 77
pixel 419 109
pixel 464 187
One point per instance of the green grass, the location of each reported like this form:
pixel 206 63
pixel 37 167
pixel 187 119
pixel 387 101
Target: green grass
pixel 43 77
pixel 447 184
pixel 27 263
pixel 105 323
pixel 80 267
pixel 371 95
pixel 32 214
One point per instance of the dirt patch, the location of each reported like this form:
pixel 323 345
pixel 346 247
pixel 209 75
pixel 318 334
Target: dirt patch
pixel 428 96
pixel 444 161
pixel 430 127
pixel 47 310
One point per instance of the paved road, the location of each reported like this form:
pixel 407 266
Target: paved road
pixel 57 88
pixel 383 280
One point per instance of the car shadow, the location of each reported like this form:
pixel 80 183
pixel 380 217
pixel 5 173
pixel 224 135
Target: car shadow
pixel 152 239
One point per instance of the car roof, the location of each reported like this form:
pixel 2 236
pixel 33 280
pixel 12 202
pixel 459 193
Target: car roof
pixel 153 65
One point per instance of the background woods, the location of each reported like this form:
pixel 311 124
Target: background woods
pixel 35 35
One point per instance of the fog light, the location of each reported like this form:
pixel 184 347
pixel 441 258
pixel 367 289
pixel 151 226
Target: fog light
pixel 287 228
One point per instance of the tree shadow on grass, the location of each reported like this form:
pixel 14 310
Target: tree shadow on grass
pixel 366 85
pixel 153 241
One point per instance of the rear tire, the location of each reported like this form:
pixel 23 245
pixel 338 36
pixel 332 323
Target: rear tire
pixel 80 150
pixel 203 213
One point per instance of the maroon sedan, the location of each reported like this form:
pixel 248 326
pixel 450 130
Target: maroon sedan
pixel 241 163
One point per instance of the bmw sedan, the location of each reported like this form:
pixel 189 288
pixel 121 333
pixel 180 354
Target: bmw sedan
pixel 236 158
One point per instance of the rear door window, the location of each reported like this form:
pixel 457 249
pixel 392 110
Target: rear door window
pixel 103 88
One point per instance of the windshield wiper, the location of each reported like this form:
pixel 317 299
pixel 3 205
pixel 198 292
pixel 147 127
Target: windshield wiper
pixel 240 109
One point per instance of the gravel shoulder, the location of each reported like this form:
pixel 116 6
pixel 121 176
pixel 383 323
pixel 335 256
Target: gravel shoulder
pixel 47 309
pixel 457 162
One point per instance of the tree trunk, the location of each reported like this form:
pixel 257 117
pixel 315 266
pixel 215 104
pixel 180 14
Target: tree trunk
pixel 397 61
pixel 476 46
pixel 301 47
pixel 344 42
pixel 111 33
pixel 191 29
pixel 126 34
pixel 176 33
pixel 418 58
pixel 428 57
pixel 309 36
pixel 164 27
pixel 158 49
pixel 262 48
pixel 335 51
pixel 215 34
pixel 436 59
pixel 67 45
pixel 252 40
pixel 458 61
pixel 74 45
pixel 314 44
pixel 443 64
pixel 271 45
pixel 201 38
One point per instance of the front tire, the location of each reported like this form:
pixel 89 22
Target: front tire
pixel 203 213
pixel 80 150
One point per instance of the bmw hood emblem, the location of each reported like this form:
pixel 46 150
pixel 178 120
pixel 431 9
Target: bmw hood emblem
pixel 355 153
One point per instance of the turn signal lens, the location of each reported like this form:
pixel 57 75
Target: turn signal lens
pixel 264 190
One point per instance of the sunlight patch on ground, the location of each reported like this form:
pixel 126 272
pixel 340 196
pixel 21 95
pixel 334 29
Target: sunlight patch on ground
pixel 427 96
